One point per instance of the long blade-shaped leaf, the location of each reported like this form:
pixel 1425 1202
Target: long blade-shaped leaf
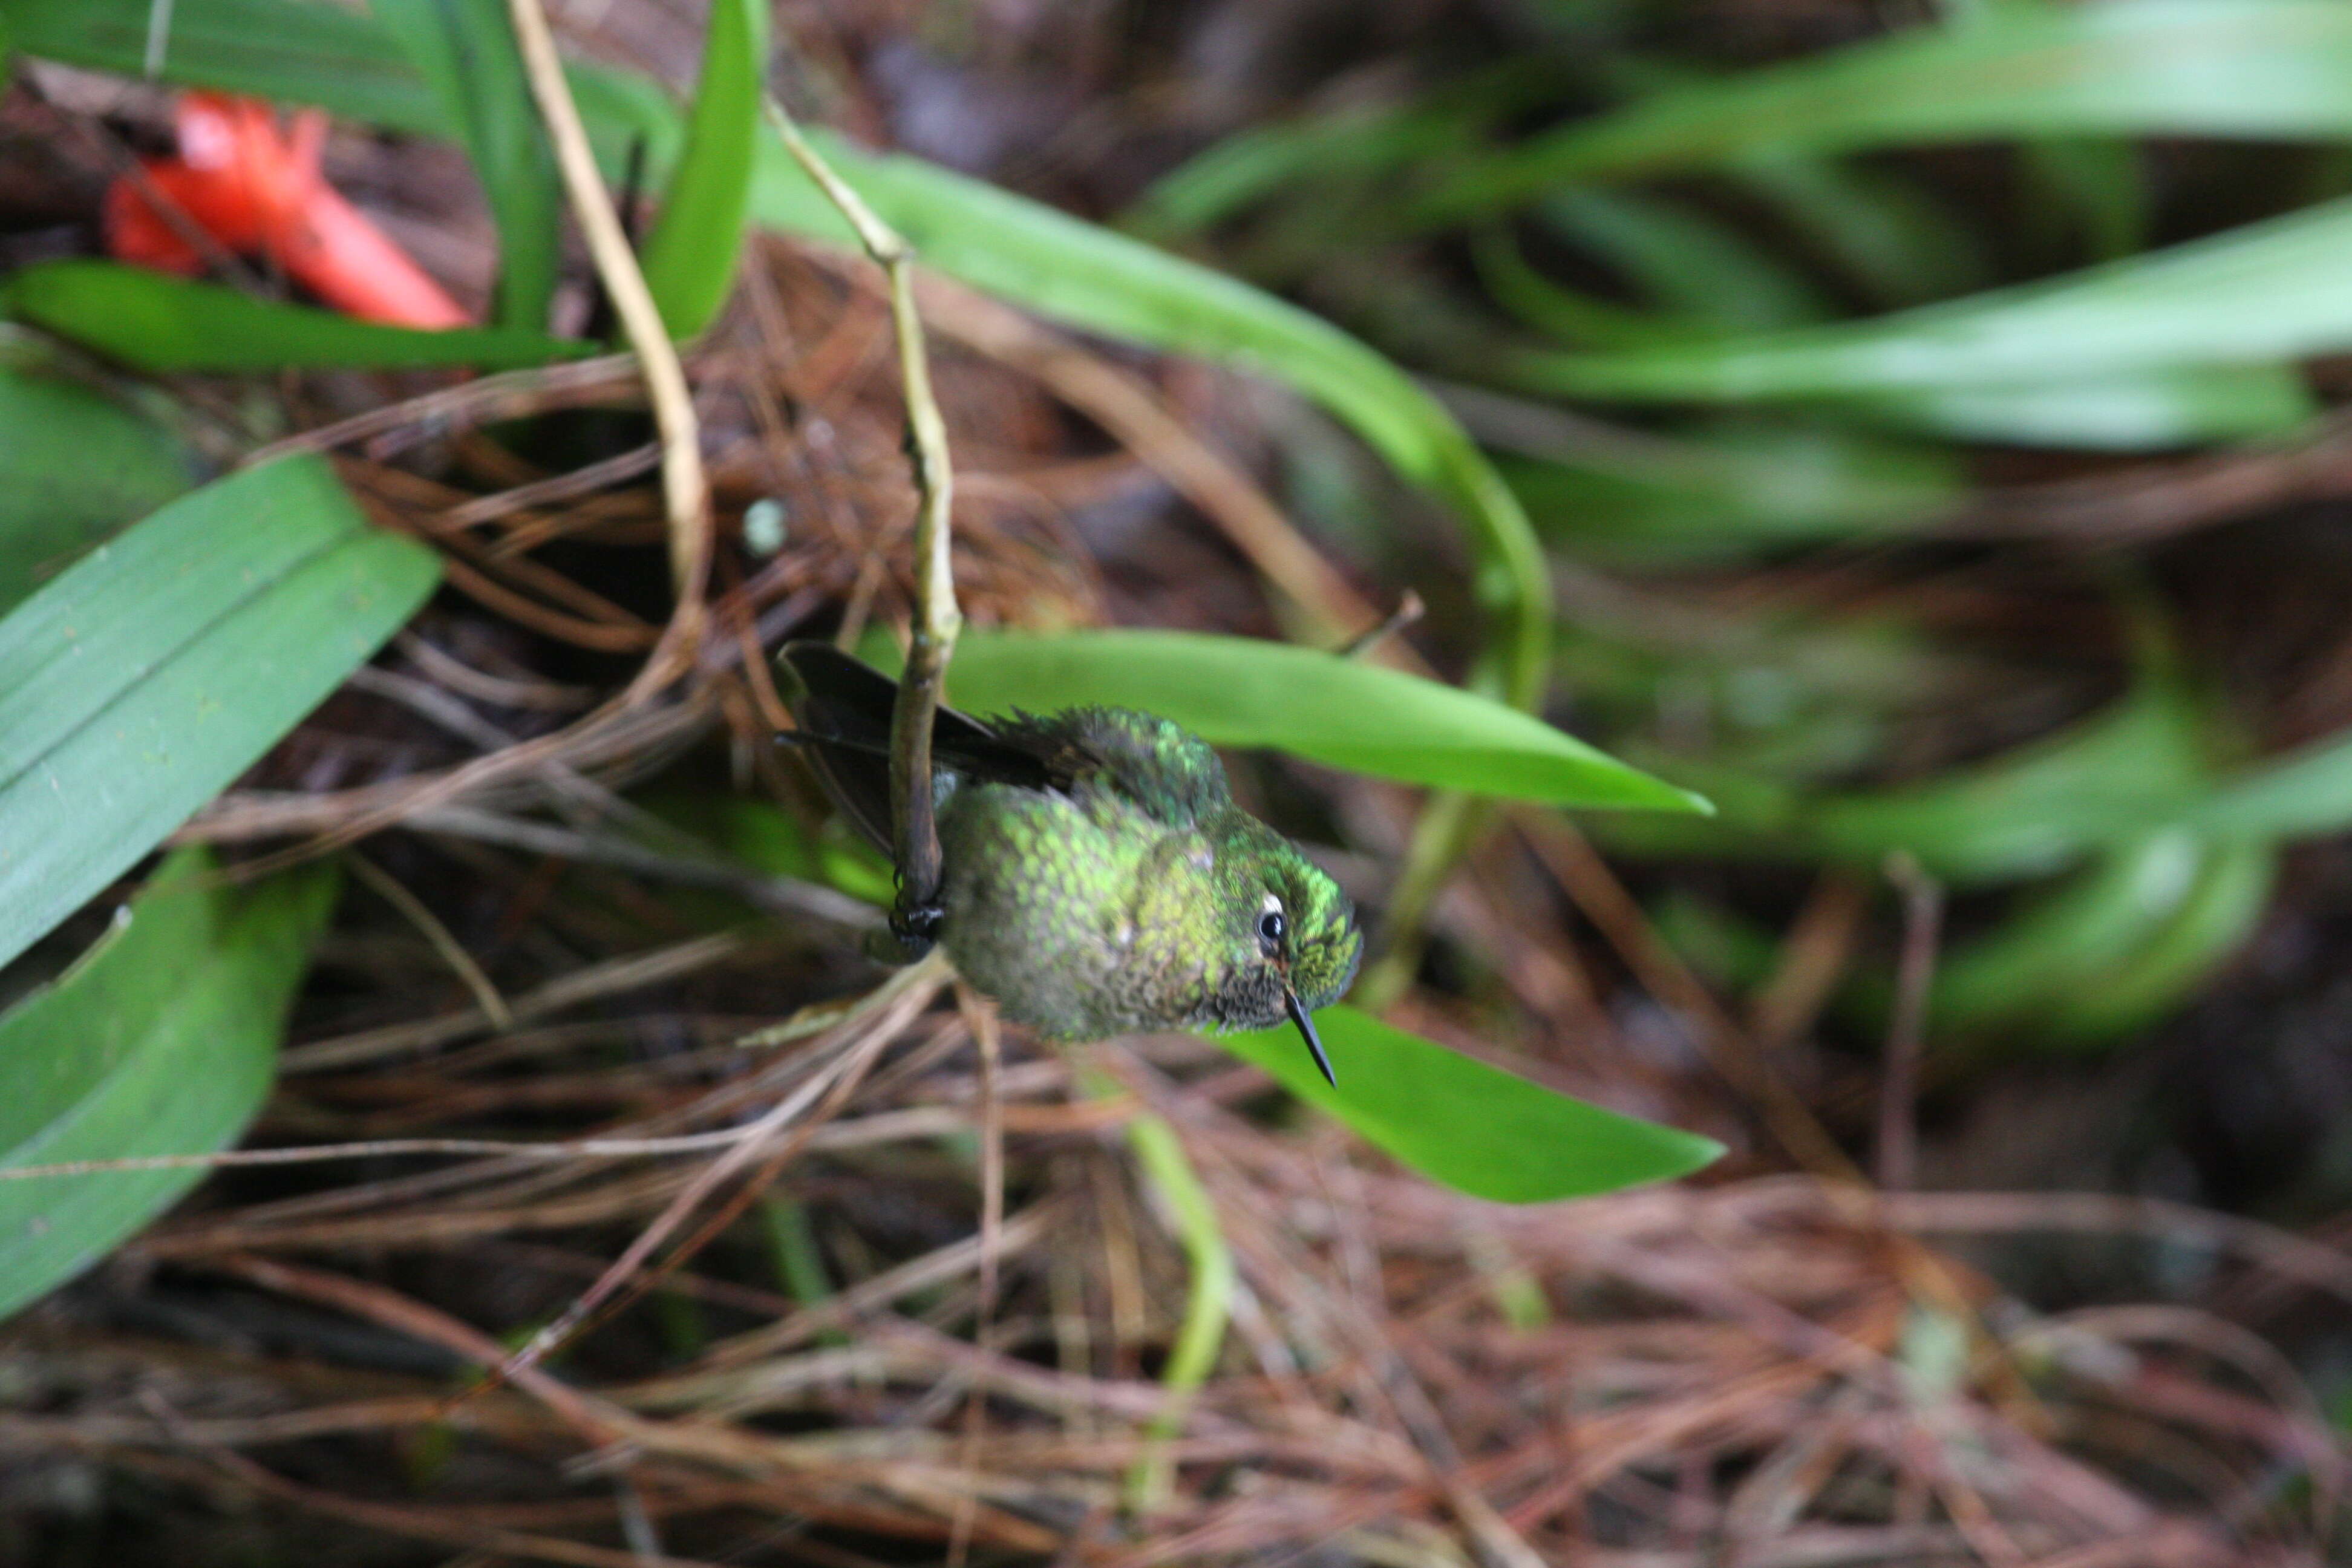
pixel 1476 1128
pixel 152 672
pixel 74 467
pixel 2265 68
pixel 690 257
pixel 466 50
pixel 162 1040
pixel 165 324
pixel 1242 692
pixel 2268 291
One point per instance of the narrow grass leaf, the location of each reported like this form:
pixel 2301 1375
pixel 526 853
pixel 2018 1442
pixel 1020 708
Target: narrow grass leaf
pixel 1356 143
pixel 689 258
pixel 466 53
pixel 1713 494
pixel 2264 293
pixel 1474 1128
pixel 148 675
pixel 2040 808
pixel 2271 70
pixel 2143 410
pixel 2116 776
pixel 1242 692
pixel 165 325
pixel 1686 261
pixel 74 466
pixel 161 1040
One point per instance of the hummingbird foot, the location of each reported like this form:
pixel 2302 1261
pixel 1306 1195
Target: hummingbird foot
pixel 916 927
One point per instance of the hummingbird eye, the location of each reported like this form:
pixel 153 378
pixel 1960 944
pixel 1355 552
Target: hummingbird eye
pixel 1271 928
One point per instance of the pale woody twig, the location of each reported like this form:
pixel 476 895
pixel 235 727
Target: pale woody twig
pixel 686 492
pixel 936 619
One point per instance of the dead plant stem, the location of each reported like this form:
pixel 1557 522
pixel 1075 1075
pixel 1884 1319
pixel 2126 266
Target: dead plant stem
pixel 686 491
pixel 937 619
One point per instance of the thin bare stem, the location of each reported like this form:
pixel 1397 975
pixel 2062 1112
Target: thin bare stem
pixel 686 491
pixel 451 950
pixel 937 619
pixel 1907 1034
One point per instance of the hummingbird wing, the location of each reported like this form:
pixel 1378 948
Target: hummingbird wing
pixel 843 705
pixel 1167 770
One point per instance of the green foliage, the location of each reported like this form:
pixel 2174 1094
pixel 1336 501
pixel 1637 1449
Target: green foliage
pixel 74 466
pixel 1242 691
pixel 467 52
pixel 1733 489
pixel 2256 294
pixel 146 677
pixel 1476 1128
pixel 161 1040
pixel 2258 68
pixel 162 324
pixel 690 257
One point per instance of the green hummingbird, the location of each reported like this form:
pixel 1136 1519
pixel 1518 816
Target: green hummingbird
pixel 1095 876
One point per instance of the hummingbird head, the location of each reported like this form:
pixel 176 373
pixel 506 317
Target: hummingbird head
pixel 1291 932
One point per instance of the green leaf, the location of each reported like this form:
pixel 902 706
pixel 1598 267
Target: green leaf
pixel 288 51
pixel 2264 293
pixel 2051 949
pixel 2138 766
pixel 2114 948
pixel 1476 1128
pixel 74 466
pixel 1708 274
pixel 1241 691
pixel 2309 791
pixel 1689 263
pixel 2210 927
pixel 2041 807
pixel 467 52
pixel 2151 409
pixel 163 325
pixel 1740 488
pixel 161 1040
pixel 689 259
pixel 2269 70
pixel 148 675
pixel 1884 231
pixel 1357 145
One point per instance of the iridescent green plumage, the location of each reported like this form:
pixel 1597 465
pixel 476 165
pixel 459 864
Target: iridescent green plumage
pixel 1097 876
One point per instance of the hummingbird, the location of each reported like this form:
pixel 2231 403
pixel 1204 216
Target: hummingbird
pixel 1095 876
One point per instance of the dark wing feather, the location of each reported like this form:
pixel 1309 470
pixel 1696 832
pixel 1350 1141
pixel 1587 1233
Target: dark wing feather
pixel 843 705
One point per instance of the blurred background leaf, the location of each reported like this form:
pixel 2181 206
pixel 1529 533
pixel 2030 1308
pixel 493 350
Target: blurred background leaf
pixel 153 323
pixel 689 256
pixel 163 1039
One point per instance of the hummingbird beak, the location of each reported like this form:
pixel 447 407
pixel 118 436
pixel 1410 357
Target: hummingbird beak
pixel 1306 1022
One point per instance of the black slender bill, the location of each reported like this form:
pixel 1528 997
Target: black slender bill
pixel 1306 1022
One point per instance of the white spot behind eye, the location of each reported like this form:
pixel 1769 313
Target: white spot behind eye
pixel 1272 904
